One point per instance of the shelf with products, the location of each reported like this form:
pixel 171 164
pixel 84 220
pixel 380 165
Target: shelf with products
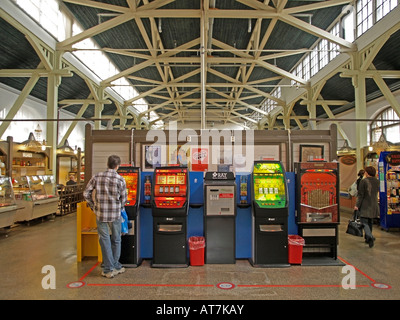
pixel 393 191
pixel 28 164
pixel 389 189
pixel 28 158
pixel 8 205
pixel 36 195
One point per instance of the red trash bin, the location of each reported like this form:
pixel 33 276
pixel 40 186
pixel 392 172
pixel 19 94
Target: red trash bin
pixel 196 250
pixel 296 244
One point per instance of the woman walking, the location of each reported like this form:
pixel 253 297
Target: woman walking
pixel 367 202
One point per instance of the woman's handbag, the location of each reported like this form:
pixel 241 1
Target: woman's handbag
pixel 355 226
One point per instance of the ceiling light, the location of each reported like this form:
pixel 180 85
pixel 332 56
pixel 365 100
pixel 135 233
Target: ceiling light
pixel 159 26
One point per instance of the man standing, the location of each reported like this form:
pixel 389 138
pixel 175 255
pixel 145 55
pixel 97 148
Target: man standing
pixel 109 199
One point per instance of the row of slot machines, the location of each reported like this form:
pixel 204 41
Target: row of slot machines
pixel 167 194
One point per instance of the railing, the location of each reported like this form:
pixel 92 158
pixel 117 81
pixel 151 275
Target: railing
pixel 69 197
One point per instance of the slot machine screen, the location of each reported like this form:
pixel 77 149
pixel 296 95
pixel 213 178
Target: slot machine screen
pixel 131 180
pixel 269 185
pixel 170 189
pixel 131 177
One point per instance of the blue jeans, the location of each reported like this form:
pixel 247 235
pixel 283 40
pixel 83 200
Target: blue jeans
pixel 110 245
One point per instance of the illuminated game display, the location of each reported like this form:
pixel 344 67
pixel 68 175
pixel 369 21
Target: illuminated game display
pixel 318 191
pixel 269 185
pixel 131 180
pixel 130 251
pixel 170 188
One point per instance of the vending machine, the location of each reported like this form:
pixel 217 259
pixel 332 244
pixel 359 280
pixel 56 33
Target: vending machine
pixel 317 206
pixel 220 217
pixel 389 190
pixel 270 215
pixel 170 203
pixel 130 242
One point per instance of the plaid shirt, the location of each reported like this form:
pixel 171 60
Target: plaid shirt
pixel 110 195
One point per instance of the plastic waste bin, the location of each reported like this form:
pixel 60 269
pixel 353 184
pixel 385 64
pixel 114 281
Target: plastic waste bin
pixel 196 250
pixel 296 244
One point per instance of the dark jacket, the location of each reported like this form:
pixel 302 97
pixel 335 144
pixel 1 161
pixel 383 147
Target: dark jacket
pixel 367 198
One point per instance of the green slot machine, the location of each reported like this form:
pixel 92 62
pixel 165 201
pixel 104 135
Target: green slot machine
pixel 270 215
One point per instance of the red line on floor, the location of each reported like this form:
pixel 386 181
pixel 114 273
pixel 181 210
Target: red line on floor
pixel 147 285
pixel 210 285
pixel 299 285
pixel 91 269
pixel 364 274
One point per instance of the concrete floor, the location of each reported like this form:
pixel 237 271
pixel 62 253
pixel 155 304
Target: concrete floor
pixel 26 249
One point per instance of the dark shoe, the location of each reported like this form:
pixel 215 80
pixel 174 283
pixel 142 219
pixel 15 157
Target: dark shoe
pixel 371 242
pixel 367 241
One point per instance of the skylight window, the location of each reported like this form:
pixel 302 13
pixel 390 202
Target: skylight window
pixel 48 14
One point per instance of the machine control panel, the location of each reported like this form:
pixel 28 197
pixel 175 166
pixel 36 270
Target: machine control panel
pixel 220 200
pixel 170 187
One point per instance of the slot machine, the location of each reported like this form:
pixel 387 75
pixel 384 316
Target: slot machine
pixel 270 215
pixel 130 242
pixel 170 203
pixel 318 206
pixel 220 217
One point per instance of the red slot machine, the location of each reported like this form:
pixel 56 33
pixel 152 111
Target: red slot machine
pixel 170 203
pixel 130 250
pixel 318 192
pixel 170 190
pixel 318 216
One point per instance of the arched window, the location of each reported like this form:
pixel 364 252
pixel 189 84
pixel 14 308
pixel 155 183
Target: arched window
pixel 386 122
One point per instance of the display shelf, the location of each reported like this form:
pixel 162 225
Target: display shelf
pixel 27 163
pixel 393 191
pixel 8 205
pixel 35 196
pixel 87 244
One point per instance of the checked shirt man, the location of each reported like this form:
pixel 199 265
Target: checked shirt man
pixel 106 196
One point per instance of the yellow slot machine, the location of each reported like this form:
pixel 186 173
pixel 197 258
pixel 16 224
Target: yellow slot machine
pixel 270 215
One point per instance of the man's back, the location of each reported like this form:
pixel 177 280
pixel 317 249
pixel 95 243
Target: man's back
pixel 110 195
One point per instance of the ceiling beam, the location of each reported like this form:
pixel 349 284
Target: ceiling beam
pixel 316 6
pixel 91 32
pixel 318 32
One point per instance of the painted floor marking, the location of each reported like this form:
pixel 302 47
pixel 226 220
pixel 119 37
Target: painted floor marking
pixel 228 285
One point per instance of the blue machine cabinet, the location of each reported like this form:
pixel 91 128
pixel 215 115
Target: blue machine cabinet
pixel 195 225
pixel 389 189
